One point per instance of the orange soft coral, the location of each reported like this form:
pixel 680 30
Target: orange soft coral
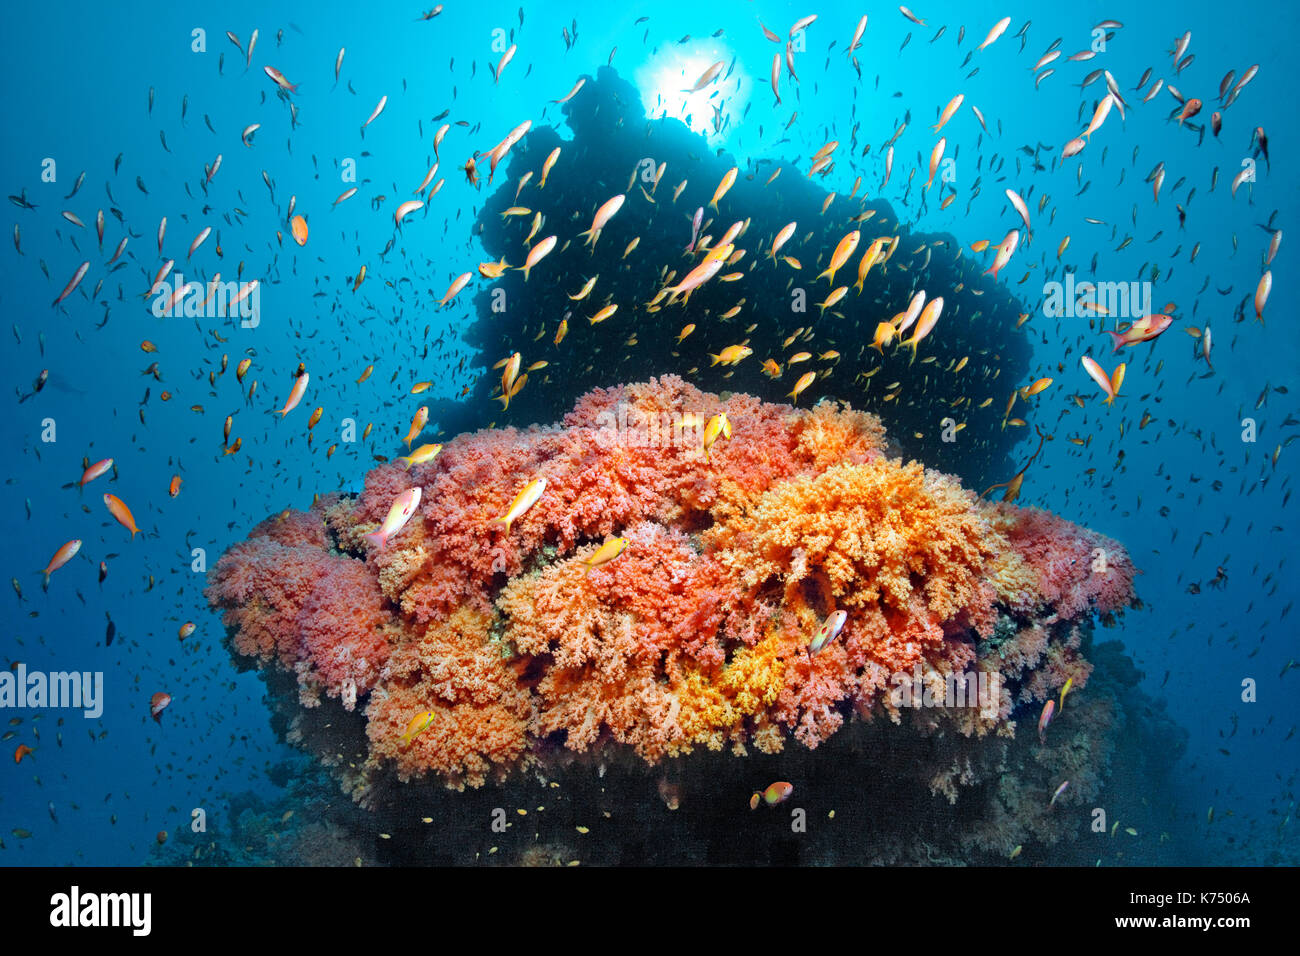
pixel 697 634
pixel 479 713
pixel 874 532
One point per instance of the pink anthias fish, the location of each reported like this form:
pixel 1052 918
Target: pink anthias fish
pixel 399 514
pixel 1143 330
pixel 828 631
pixel 1044 719
pixel 695 228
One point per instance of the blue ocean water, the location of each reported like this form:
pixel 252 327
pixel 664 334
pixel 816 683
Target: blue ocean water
pixel 1205 485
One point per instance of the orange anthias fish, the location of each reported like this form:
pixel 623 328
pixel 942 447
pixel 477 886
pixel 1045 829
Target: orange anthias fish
pixel 778 792
pixel 174 488
pixel 418 421
pixel 298 229
pixel 1037 387
pixel 61 557
pixel 22 751
pixel 118 509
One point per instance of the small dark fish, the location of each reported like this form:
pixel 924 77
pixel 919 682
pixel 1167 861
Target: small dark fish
pixel 110 633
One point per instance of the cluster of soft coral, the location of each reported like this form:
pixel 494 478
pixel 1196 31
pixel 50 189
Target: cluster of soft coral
pixel 698 633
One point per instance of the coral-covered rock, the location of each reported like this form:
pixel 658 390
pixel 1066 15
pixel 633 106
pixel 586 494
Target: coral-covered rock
pixel 476 651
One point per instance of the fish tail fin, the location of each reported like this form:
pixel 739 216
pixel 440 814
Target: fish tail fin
pixel 713 204
pixel 377 537
pixel 502 520
pixel 45 580
pixel 1117 339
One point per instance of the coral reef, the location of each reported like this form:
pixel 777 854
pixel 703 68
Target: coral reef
pixel 461 655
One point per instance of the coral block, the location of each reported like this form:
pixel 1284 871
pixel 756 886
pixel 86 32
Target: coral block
pixel 509 650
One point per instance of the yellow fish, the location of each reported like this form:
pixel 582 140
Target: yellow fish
pixel 731 355
pixel 719 424
pixel 728 178
pixel 523 501
pixel 606 553
pixel 419 723
pixel 804 381
pixel 421 455
pixel 582 293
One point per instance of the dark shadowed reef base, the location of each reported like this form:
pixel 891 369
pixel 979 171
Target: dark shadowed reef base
pixel 866 775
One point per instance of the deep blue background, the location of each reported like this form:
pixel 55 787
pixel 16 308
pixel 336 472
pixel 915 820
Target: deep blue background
pixel 77 79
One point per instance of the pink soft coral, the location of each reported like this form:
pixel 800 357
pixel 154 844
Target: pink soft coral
pixel 502 647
